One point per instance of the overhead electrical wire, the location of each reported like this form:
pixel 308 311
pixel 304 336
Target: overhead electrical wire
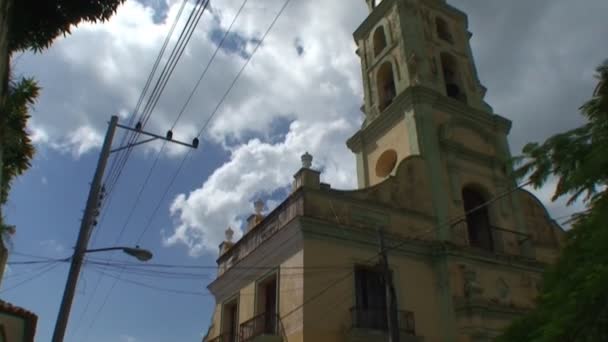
pixel 144 116
pixel 120 160
pixel 113 173
pixel 149 80
pixel 449 224
pixel 211 116
pixel 153 166
pixel 161 82
pixel 186 103
pixel 174 124
pixel 47 268
pixel 159 87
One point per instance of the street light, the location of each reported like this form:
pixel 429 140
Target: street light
pixel 139 253
pixel 70 288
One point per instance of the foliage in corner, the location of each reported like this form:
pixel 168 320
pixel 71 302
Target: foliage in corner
pixel 18 150
pixel 17 147
pixel 35 24
pixel 573 304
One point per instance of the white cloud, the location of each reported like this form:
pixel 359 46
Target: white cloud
pixel 53 246
pixel 84 139
pixel 127 338
pixel 256 169
pixel 318 89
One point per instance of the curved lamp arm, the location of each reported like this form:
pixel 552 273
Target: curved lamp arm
pixel 139 253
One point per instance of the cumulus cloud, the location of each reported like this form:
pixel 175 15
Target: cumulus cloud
pixel 306 74
pixel 257 169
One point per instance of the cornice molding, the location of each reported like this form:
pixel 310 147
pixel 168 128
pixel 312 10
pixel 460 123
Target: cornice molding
pixel 409 99
pixel 506 260
pixel 364 236
pixel 272 252
pixel 484 307
pixel 470 155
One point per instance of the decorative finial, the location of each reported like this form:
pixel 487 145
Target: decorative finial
pixel 229 234
pixel 306 160
pixel 258 206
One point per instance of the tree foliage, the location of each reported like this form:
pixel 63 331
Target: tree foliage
pixel 573 304
pixel 17 147
pixel 35 23
pixel 18 150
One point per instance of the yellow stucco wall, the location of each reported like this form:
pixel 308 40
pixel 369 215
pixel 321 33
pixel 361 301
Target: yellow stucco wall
pixel 395 138
pixel 291 287
pixel 328 317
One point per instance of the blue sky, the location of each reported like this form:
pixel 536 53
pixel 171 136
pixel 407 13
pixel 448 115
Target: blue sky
pixel 301 92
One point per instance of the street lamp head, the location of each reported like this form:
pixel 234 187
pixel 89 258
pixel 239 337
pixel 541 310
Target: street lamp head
pixel 140 254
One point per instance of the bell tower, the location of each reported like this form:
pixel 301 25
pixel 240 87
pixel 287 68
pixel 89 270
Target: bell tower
pixel 422 96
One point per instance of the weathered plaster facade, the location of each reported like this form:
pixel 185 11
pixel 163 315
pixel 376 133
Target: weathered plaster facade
pixel 466 249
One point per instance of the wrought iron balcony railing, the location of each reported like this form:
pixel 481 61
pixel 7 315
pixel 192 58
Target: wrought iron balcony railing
pixel 376 319
pixel 225 337
pixel 262 324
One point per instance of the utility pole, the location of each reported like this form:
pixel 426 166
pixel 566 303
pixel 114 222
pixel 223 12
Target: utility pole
pixel 90 213
pixel 83 236
pixel 391 298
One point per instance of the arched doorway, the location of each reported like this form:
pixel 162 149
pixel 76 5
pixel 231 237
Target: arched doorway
pixel 478 219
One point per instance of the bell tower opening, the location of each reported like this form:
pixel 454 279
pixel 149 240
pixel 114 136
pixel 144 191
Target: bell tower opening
pixel 452 78
pixel 386 85
pixel 415 61
pixel 443 30
pixel 479 229
pixel 379 41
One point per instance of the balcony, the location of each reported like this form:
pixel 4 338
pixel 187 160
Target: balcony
pixel 264 230
pixel 263 327
pixel 225 337
pixel 375 319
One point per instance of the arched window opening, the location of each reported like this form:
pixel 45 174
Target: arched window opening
pixel 478 221
pixel 453 85
pixel 443 30
pixel 386 85
pixel 379 40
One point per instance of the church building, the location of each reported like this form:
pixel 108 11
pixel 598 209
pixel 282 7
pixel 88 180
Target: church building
pixel 465 246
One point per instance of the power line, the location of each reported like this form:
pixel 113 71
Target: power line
pixel 195 88
pixel 158 89
pixel 147 178
pixel 161 82
pixel 158 288
pixel 49 267
pixel 120 161
pixel 34 262
pixel 174 59
pixel 213 113
pixel 149 81
pixel 407 240
pixel 211 267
